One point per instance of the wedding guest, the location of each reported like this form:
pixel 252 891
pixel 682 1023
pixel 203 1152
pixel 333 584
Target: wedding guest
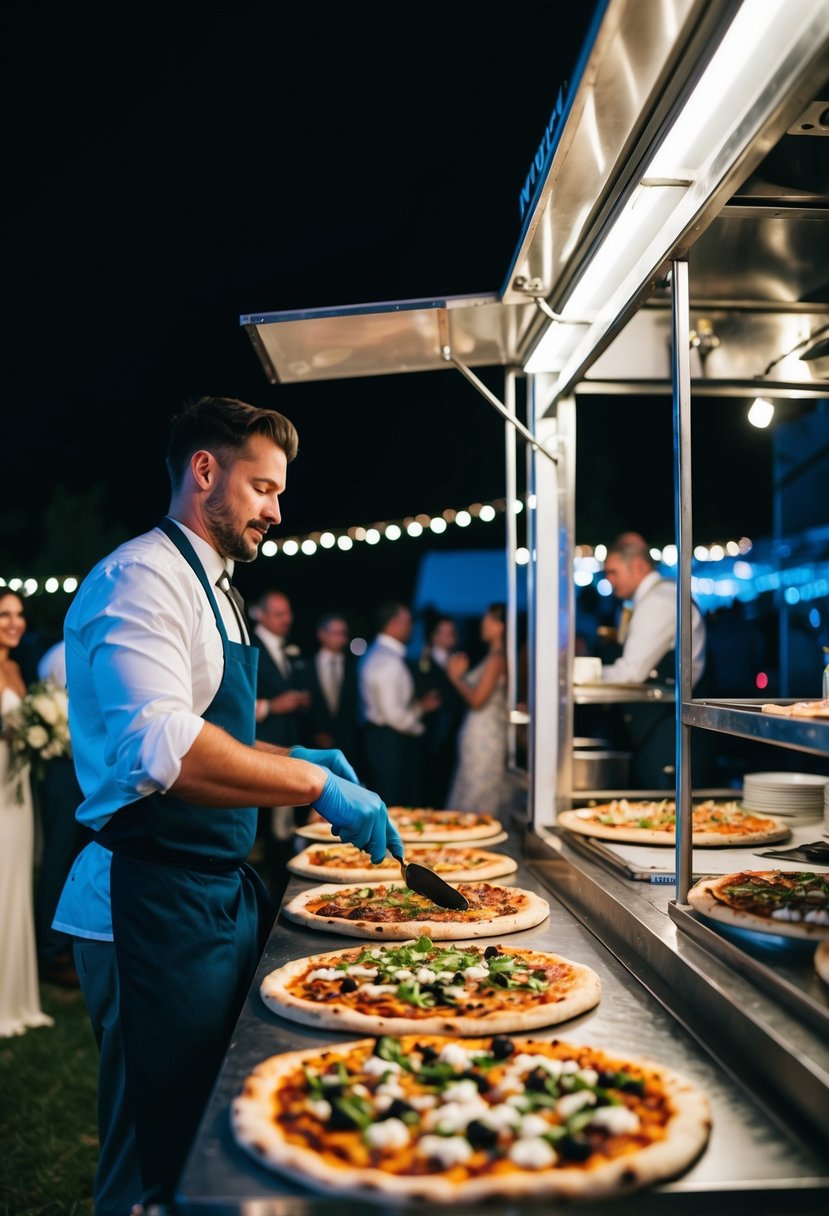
pixel 393 743
pixel 479 782
pixel 58 798
pixel 162 685
pixel 19 996
pixel 440 741
pixel 333 716
pixel 279 698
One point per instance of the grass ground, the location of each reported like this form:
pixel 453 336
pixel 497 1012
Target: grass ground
pixel 48 1129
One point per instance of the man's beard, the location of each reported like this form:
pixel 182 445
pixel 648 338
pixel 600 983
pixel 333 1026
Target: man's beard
pixel 227 538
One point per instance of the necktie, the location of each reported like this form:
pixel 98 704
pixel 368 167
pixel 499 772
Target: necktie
pixel 624 624
pixel 236 603
pixel 281 659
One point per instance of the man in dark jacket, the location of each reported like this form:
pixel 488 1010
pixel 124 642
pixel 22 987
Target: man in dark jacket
pixel 280 696
pixel 333 717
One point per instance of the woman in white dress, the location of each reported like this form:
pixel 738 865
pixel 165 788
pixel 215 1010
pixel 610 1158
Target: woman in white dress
pixel 479 782
pixel 19 994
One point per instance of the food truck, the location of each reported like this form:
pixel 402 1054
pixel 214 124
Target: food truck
pixel 674 241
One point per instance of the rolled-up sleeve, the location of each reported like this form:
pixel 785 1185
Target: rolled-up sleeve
pixel 137 649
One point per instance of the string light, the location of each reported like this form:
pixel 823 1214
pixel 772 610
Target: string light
pixel 588 558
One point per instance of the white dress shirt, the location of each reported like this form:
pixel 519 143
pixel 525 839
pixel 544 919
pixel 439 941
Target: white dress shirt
pixel 52 665
pixel 652 632
pixel 387 687
pixel 144 661
pixel 275 647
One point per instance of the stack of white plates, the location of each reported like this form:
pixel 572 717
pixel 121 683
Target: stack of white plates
pixel 795 797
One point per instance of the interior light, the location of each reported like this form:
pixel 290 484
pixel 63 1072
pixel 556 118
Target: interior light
pixel 414 528
pixel 600 552
pixel 358 646
pixel 438 524
pixel 749 73
pixel 463 519
pixel 372 536
pixel 522 556
pixel 487 513
pixel 269 548
pixel 30 586
pixel 761 412
pixel 716 553
pixel 669 555
pixel 51 585
pixel 70 584
pixel 308 547
pixel 328 540
pixel 393 532
pixel 290 547
pixel 345 543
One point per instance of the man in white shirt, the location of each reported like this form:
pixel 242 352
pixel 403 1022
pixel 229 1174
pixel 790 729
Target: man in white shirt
pixel 170 919
pixel 394 716
pixel 648 654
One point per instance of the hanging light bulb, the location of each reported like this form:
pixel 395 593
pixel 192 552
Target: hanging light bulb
pixel 761 412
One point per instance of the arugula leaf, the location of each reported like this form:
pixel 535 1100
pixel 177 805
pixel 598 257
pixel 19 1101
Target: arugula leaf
pixel 410 993
pixel 356 1109
pixel 390 1049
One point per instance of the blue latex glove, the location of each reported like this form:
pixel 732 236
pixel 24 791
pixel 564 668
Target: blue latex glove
pixel 359 817
pixel 330 757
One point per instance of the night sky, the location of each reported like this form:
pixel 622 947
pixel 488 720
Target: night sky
pixel 172 169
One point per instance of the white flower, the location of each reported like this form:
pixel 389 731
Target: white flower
pixel 46 709
pixel 37 737
pixel 293 652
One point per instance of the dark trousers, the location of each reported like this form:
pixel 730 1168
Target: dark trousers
pixel 58 797
pixel 117 1177
pixel 187 944
pixel 394 763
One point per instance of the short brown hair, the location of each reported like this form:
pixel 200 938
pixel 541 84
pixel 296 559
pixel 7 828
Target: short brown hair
pixel 223 425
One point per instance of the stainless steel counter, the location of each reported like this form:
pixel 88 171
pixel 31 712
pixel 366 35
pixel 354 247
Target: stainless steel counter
pixel 756 1159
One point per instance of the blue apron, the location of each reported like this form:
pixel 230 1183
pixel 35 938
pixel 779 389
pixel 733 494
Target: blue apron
pixel 190 919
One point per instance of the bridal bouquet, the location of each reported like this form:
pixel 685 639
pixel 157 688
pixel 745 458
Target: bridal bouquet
pixel 37 731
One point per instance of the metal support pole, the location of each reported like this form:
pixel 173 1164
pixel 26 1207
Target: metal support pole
pixel 510 444
pixel 681 375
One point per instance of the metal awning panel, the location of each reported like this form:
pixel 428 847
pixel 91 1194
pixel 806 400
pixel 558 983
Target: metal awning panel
pixel 385 338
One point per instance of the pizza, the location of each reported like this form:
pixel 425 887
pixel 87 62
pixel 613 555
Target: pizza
pixel 791 903
pixel 443 1119
pixel 822 961
pixel 420 986
pixel 422 825
pixel 800 709
pixel 393 911
pixel 714 823
pixel 345 863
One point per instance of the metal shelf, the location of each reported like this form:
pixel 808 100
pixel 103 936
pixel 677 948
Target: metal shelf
pixel 746 719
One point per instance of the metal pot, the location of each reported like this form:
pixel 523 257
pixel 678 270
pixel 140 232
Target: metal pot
pixel 600 770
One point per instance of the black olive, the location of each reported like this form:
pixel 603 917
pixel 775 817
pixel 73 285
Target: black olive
pixel 334 1091
pixel 491 952
pixel 348 985
pixel 501 980
pixel 436 991
pixel 398 1109
pixel 478 1077
pixel 607 1080
pixel 502 1047
pixel 574 1148
pixel 537 1079
pixel 340 1120
pixel 458 977
pixel 480 1135
pixel 632 1086
pixel 429 1054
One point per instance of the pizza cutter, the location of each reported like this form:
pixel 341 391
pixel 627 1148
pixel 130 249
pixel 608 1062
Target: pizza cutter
pixel 426 882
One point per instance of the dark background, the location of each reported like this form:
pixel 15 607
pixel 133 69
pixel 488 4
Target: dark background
pixel 171 169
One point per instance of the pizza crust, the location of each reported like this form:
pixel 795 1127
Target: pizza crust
pixel 686 1134
pixel 584 994
pixel 800 709
pixel 497 865
pixel 822 961
pixel 630 834
pixel 702 899
pixel 323 832
pixel 532 913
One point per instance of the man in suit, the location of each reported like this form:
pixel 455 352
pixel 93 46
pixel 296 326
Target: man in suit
pixel 333 717
pixel 280 697
pixel 394 713
pixel 441 733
